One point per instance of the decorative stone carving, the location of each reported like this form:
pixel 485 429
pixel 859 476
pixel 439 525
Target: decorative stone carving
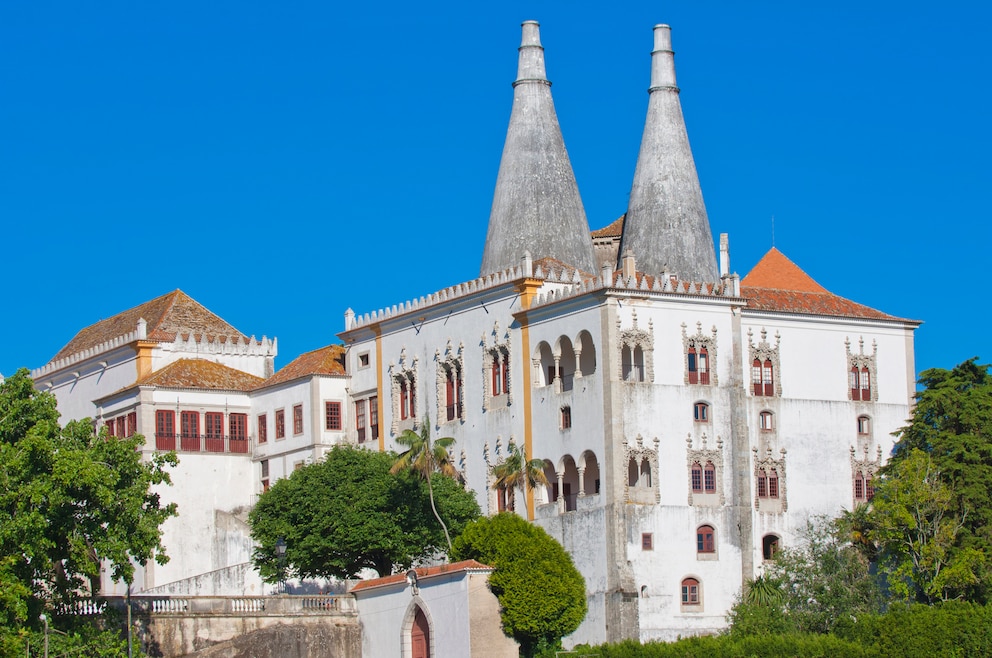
pixel 640 454
pixel 767 464
pixel 492 355
pixel 700 341
pixel 764 351
pixel 403 372
pixel 450 361
pixel 702 455
pixel 866 467
pixel 861 361
pixel 629 341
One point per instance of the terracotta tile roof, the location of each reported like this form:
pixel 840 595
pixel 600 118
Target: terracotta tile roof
pixel 200 373
pixel 422 573
pixel 325 361
pixel 168 315
pixel 778 284
pixel 614 230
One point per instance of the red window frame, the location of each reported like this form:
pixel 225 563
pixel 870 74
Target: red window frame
pixel 165 429
pixel 705 542
pixel 697 477
pixel 773 483
pixel 408 399
pixel 132 423
pixel 297 419
pixel 110 427
pixel 280 424
pixel 360 419
pixel 709 478
pixel 263 428
pixel 701 412
pixel 690 591
pixel 332 416
pixel 766 421
pixel 865 385
pixel 189 431
pixel 265 475
pixel 213 431
pixel 453 392
pixel 647 541
pixel 237 428
pixel 859 486
pixel 762 484
pixel 121 426
pixel 864 425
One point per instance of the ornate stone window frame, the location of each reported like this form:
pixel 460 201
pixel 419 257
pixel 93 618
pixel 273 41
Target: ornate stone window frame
pixel 701 455
pixel 451 360
pixel 404 371
pixel 867 467
pixel 632 339
pixel 861 361
pixel 700 341
pixel 767 463
pixel 491 354
pixel 640 454
pixel 762 352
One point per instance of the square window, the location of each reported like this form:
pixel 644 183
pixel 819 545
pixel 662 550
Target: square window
pixel 363 360
pixel 332 415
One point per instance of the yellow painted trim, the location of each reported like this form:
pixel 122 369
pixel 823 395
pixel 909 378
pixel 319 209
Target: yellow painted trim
pixel 378 385
pixel 143 350
pixel 528 291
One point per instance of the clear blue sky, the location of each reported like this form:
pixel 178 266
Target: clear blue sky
pixel 281 162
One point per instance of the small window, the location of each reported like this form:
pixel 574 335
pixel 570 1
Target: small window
pixel 690 592
pixel 280 424
pixel 647 541
pixel 363 360
pixel 864 425
pixel 132 423
pixel 332 416
pixel 263 429
pixel 110 427
pixel 697 478
pixel 298 465
pixel 701 412
pixel 408 399
pixel 374 416
pixel 566 417
pixel 121 428
pixel 769 546
pixel 265 475
pixel 766 421
pixel 859 487
pixel 453 392
pixel 705 542
pixel 298 419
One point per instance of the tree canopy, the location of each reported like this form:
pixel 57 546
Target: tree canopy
pixel 348 512
pixel 541 593
pixel 943 458
pixel 69 499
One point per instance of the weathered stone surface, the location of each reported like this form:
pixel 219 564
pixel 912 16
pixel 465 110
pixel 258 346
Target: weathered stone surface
pixel 536 206
pixel 314 639
pixel 666 226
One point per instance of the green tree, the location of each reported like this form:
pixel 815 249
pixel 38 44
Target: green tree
pixel 516 471
pixel 349 512
pixel 952 423
pixel 70 500
pixel 425 457
pixel 915 530
pixel 542 595
pixel 810 588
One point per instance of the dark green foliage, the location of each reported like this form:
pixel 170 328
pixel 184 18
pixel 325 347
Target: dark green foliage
pixel 724 646
pixel 541 593
pixel 69 498
pixel 348 513
pixel 952 423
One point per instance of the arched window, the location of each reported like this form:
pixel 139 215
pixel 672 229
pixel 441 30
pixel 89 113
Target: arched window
pixel 709 477
pixel 766 420
pixel 705 539
pixel 772 483
pixel 645 478
pixel 500 372
pixel 864 425
pixel 769 546
pixel 697 477
pixel 453 391
pixel 859 486
pixel 690 592
pixel 408 401
pixel 763 377
pixel 698 362
pixel 768 483
pixel 701 412
pixel 632 472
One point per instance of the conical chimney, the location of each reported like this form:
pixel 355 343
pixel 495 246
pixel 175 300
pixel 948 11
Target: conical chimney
pixel 536 206
pixel 666 223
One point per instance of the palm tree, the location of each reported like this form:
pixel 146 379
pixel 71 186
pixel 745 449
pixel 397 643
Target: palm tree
pixel 424 457
pixel 517 471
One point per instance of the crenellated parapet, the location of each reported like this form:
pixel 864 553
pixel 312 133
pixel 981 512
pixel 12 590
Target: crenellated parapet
pixel 108 346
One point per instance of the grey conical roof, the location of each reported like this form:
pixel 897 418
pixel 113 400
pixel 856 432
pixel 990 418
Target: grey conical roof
pixel 666 226
pixel 536 206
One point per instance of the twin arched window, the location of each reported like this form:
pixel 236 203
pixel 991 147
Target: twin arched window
pixel 763 377
pixel 699 365
pixel 703 478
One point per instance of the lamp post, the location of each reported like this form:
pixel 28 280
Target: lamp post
pixel 44 619
pixel 281 556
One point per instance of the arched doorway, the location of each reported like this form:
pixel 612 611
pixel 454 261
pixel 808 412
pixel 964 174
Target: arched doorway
pixel 420 636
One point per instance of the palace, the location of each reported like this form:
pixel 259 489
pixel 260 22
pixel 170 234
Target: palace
pixel 690 421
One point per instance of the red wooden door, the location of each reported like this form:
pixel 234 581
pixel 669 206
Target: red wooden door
pixel 420 636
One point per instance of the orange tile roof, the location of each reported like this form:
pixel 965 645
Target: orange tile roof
pixel 167 316
pixel 325 361
pixel 422 573
pixel 200 373
pixel 778 284
pixel 613 230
